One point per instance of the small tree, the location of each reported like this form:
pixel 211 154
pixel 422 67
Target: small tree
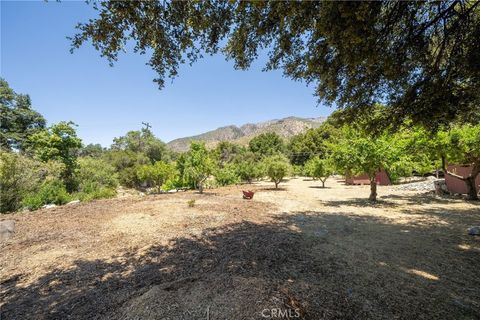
pixel 456 145
pixel 156 174
pixel 318 168
pixel 197 165
pixel 464 145
pixel 276 168
pixel 359 153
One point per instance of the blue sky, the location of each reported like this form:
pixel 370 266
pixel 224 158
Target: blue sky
pixel 106 102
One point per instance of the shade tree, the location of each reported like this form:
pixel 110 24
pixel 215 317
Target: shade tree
pixel 58 142
pixel 359 153
pixel 420 58
pixel 18 120
pixel 266 144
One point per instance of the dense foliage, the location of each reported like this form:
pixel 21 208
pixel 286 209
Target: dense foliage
pixel 58 142
pixel 156 174
pixel 266 144
pixel 17 118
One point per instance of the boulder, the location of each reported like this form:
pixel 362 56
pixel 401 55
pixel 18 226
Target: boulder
pixel 73 202
pixel 474 231
pixel 7 228
pixel 48 206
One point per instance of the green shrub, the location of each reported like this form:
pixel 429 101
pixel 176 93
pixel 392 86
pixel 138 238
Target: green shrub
pixel 298 170
pixel 155 175
pixel 191 203
pixel 171 184
pixel 248 168
pixel 99 193
pixel 126 163
pixel 20 176
pixel 97 171
pixel 51 192
pixel 226 176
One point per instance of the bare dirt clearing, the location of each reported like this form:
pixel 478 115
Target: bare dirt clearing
pixel 316 253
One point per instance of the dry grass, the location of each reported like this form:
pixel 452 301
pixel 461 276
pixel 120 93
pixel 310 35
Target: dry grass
pixel 323 253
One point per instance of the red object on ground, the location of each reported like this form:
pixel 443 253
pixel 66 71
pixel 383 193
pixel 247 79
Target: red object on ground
pixel 381 177
pixel 248 194
pixel 456 185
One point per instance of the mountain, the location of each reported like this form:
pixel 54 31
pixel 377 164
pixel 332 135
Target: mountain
pixel 286 127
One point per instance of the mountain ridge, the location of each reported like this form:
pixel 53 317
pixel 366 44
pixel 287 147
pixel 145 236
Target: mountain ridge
pixel 285 127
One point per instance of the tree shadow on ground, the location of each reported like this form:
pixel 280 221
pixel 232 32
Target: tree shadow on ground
pixel 314 264
pixel 393 200
pixel 319 187
pixel 360 202
pixel 421 198
pixel 275 189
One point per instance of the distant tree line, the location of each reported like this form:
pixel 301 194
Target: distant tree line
pixel 41 165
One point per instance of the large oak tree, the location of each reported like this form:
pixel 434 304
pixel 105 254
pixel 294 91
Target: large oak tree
pixel 419 58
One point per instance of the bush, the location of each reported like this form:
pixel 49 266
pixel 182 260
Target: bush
pixel 248 168
pixel 95 171
pixel 126 163
pixel 95 192
pixel 226 176
pixel 20 176
pixel 52 191
pixel 298 170
pixel 171 184
pixel 156 174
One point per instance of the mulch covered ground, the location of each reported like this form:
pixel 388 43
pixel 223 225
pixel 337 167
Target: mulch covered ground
pixel 299 253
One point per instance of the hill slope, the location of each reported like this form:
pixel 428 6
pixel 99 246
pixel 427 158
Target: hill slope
pixel 286 128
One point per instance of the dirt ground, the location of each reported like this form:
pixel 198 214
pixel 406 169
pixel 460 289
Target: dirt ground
pixel 301 252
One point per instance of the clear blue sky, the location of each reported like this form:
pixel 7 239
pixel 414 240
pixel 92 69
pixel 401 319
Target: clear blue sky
pixel 106 102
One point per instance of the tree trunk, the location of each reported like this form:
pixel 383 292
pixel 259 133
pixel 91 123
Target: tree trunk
pixel 471 190
pixel 276 184
pixel 373 190
pixel 323 183
pixel 470 182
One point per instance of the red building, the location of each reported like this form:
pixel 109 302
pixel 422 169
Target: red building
pixel 381 177
pixel 456 185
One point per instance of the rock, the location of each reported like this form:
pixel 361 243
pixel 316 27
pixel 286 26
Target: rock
pixel 73 202
pixel 48 206
pixel 172 191
pixel 7 228
pixel 474 231
pixel 425 185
